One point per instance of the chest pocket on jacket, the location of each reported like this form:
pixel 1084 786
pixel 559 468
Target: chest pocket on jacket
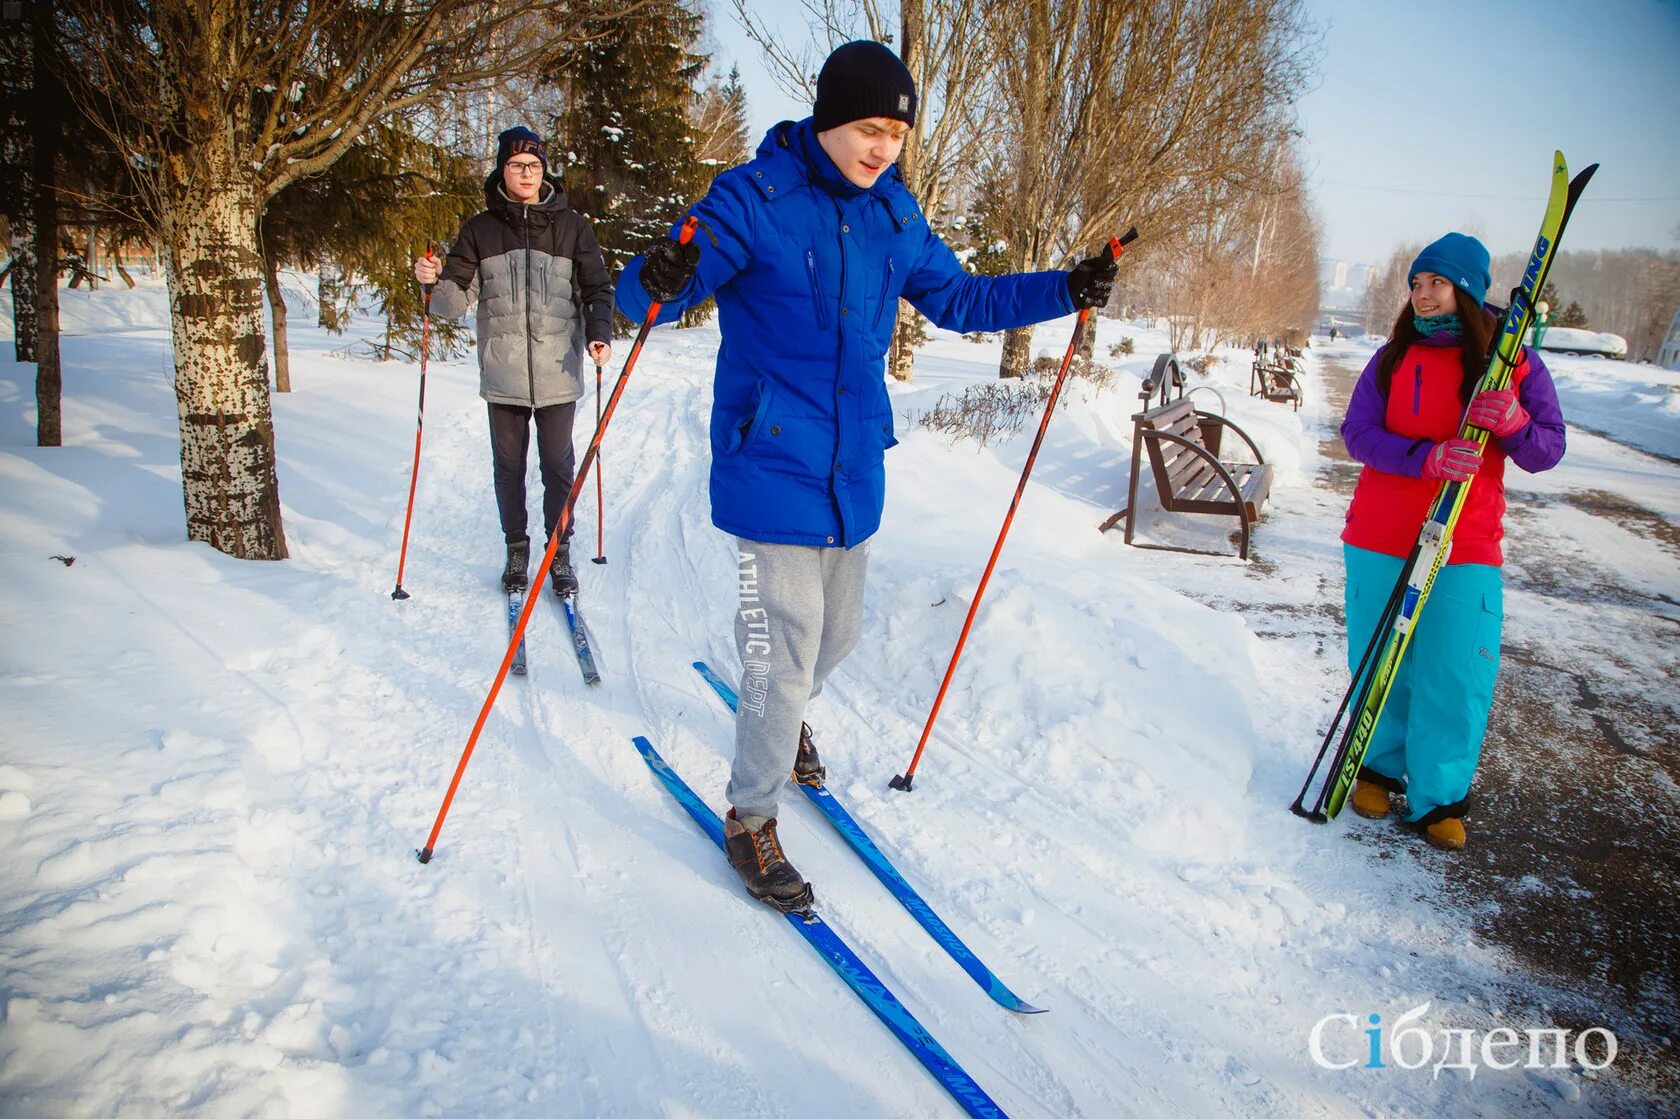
pixel 889 294
pixel 816 288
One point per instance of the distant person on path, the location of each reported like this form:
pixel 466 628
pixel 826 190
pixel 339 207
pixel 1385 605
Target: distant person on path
pixel 531 264
pixel 1403 422
pixel 1332 334
pixel 808 249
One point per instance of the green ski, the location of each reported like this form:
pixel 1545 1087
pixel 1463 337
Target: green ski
pixel 1368 692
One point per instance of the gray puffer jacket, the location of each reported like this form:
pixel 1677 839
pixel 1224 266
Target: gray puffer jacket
pixel 542 289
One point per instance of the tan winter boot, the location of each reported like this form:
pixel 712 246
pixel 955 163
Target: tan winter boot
pixel 1370 800
pixel 1446 834
pixel 756 854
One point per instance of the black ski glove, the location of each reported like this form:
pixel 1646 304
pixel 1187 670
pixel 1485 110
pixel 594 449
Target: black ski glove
pixel 667 266
pixel 1092 281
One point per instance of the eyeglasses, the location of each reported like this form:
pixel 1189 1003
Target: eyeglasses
pixel 524 167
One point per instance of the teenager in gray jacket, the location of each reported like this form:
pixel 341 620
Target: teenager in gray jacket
pixel 532 265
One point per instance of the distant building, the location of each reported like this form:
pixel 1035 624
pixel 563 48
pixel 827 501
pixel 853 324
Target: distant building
pixel 1342 284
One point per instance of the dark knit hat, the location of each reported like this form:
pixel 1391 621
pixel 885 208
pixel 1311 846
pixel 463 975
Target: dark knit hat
pixel 520 140
pixel 1461 259
pixel 863 79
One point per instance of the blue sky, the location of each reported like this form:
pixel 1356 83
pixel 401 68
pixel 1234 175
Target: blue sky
pixel 1389 160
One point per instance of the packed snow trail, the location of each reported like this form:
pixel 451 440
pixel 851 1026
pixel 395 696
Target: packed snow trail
pixel 216 773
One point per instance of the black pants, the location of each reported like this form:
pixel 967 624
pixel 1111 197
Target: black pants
pixel 510 436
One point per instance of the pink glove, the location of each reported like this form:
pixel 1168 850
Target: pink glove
pixel 1497 412
pixel 1456 460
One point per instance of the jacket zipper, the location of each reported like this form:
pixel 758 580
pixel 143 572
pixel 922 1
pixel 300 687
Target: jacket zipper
pixel 530 358
pixel 1417 388
pixel 816 292
pixel 886 286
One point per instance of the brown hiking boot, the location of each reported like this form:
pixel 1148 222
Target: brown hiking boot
pixel 756 854
pixel 1446 834
pixel 1370 800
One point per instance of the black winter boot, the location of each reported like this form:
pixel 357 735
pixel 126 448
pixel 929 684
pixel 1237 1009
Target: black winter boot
pixel 807 769
pixel 757 857
pixel 560 572
pixel 516 576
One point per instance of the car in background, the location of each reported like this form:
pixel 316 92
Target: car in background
pixel 1569 340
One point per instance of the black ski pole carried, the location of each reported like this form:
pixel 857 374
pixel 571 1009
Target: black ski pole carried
pixel 419 423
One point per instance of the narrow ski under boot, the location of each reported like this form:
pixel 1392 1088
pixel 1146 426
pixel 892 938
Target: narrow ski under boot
pixel 516 576
pixel 807 768
pixel 757 857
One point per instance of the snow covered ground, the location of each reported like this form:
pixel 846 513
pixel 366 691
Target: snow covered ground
pixel 215 773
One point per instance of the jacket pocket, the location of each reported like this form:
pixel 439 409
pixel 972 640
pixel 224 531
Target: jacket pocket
pixel 816 289
pixel 877 439
pixel 751 424
pixel 886 295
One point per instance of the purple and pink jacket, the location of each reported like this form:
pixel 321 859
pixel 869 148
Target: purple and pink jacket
pixel 1392 438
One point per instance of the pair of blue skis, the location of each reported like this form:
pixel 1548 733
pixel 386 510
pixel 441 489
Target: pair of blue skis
pixel 575 627
pixel 921 1044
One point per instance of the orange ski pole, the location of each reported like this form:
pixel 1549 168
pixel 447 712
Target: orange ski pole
pixel 414 474
pixel 559 533
pixel 903 781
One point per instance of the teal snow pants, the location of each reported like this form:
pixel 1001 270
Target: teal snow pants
pixel 1430 735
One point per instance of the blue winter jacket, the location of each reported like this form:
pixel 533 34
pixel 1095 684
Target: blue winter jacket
pixel 807 269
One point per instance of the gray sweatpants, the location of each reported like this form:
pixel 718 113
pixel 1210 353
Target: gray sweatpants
pixel 800 613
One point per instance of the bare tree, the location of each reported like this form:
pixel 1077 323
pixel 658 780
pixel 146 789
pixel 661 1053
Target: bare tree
pixel 1388 289
pixel 221 104
pixel 953 62
pixel 1153 112
pixel 1631 292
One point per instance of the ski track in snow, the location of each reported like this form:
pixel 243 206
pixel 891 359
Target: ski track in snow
pixel 216 775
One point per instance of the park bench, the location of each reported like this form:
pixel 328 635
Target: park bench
pixel 1280 383
pixel 1182 444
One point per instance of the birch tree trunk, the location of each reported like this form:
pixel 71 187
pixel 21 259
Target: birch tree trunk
pixel 326 296
pixel 23 287
pixel 1017 353
pixel 215 273
pixel 277 315
pixel 901 355
pixel 49 376
pixel 17 147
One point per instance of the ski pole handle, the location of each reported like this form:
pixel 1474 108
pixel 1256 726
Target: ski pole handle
pixel 1117 245
pixel 426 289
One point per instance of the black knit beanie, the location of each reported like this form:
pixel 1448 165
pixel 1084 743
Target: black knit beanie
pixel 519 140
pixel 863 79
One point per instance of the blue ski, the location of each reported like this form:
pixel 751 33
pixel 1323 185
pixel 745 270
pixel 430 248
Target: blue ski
pixel 844 961
pixel 516 602
pixel 580 641
pixel 860 842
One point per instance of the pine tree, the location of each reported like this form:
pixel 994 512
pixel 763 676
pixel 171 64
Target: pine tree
pixel 1571 316
pixel 371 214
pixel 627 142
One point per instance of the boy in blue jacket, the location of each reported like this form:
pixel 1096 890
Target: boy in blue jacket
pixel 808 249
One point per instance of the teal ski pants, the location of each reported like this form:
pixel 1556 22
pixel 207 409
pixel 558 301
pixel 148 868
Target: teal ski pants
pixel 1429 739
